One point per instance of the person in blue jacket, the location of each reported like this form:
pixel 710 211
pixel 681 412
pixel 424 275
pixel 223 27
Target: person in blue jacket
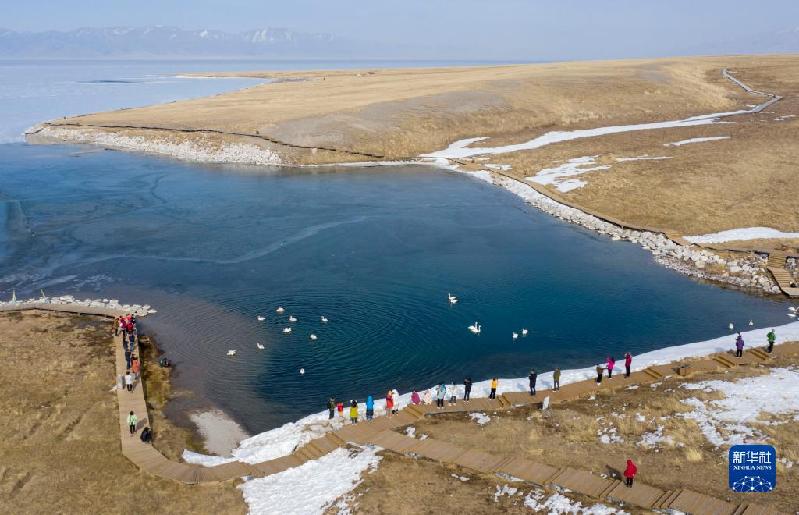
pixel 370 408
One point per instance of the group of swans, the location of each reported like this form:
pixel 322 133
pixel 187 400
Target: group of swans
pixel 793 312
pixel 286 330
pixel 732 326
pixel 476 328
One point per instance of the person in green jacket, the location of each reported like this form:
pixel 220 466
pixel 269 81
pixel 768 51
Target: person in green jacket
pixel 772 337
pixel 132 421
pixel 556 380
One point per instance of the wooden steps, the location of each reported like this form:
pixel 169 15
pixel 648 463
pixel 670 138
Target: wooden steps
pixel 777 258
pixel 784 279
pixel 724 361
pixel 695 503
pixel 654 374
pixel 759 353
pixel 639 494
pixel 665 500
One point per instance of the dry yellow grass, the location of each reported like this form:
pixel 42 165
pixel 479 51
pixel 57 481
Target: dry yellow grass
pixel 59 435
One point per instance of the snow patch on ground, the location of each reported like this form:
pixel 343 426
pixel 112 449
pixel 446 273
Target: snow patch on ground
pixel 644 157
pixel 784 117
pixel 695 140
pixel 561 177
pixel 728 421
pixel 655 438
pixel 481 418
pixel 221 433
pixel 481 175
pixel 557 504
pixel 505 490
pixel 743 234
pixel 311 487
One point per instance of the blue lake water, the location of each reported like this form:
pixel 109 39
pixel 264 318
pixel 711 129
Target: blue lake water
pixel 375 250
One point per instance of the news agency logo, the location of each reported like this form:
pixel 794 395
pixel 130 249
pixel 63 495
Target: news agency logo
pixel 753 468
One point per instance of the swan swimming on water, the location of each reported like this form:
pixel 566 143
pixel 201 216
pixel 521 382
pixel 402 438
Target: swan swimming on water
pixel 313 337
pixel 231 352
pixel 260 318
pixel 732 327
pixel 279 309
pixel 475 328
pixel 515 335
pixel 292 318
pixel 452 298
pixel 302 371
pixel 323 319
pixel 524 332
pixel 286 330
pixel 751 323
pixel 260 346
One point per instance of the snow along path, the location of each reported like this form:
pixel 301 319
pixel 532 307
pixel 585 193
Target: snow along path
pixel 462 149
pixel 282 440
pixel 310 488
pixel 743 234
pixel 695 140
pixel 728 421
pixel 562 177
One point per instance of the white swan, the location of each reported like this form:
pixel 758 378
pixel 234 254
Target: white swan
pixel 279 310
pixel 792 308
pixel 292 318
pixel 515 335
pixel 452 298
pixel 475 328
pixel 286 330
pixel 313 337
pixel 751 323
pixel 524 332
pixel 323 319
pixel 260 346
pixel 302 371
pixel 732 327
pixel 260 318
pixel 792 315
pixel 231 352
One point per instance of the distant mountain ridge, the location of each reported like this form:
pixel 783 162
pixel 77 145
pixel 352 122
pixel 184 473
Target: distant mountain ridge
pixel 160 41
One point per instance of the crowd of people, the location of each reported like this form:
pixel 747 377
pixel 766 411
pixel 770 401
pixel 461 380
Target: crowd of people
pixel 126 326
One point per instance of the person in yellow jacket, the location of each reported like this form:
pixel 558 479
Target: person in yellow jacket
pixel 494 385
pixel 354 412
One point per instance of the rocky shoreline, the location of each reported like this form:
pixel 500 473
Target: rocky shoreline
pixel 67 301
pixel 745 272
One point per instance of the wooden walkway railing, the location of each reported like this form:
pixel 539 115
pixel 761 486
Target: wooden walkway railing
pixel 380 432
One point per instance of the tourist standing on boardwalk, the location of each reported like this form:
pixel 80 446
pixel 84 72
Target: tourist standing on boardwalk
pixel 556 379
pixel 532 377
pixel 370 408
pixel 135 367
pixel 127 358
pixel 494 386
pixel 428 397
pixel 132 421
pixel 441 393
pixel 772 337
pixel 467 388
pixel 331 408
pixel 415 399
pixel 354 412
pixel 453 394
pixel 611 365
pixel 128 380
pixel 396 397
pixel 628 361
pixel 340 409
pixel 599 371
pixel 389 403
pixel 629 473
pixel 739 346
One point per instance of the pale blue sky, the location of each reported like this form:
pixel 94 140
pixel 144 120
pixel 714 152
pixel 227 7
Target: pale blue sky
pixel 509 29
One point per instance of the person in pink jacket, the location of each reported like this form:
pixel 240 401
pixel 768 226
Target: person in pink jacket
pixel 628 361
pixel 611 364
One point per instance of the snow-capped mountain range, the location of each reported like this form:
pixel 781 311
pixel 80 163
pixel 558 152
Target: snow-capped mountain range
pixel 159 41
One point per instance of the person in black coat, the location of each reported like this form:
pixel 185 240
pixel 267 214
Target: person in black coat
pixel 533 377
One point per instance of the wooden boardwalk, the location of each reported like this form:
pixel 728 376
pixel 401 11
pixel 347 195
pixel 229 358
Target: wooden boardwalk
pixel 380 432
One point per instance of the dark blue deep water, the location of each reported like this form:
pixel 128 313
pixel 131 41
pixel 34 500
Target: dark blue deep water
pixel 375 250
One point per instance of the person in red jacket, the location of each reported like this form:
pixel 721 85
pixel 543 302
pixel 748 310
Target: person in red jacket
pixel 629 473
pixel 611 366
pixel 628 361
pixel 389 403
